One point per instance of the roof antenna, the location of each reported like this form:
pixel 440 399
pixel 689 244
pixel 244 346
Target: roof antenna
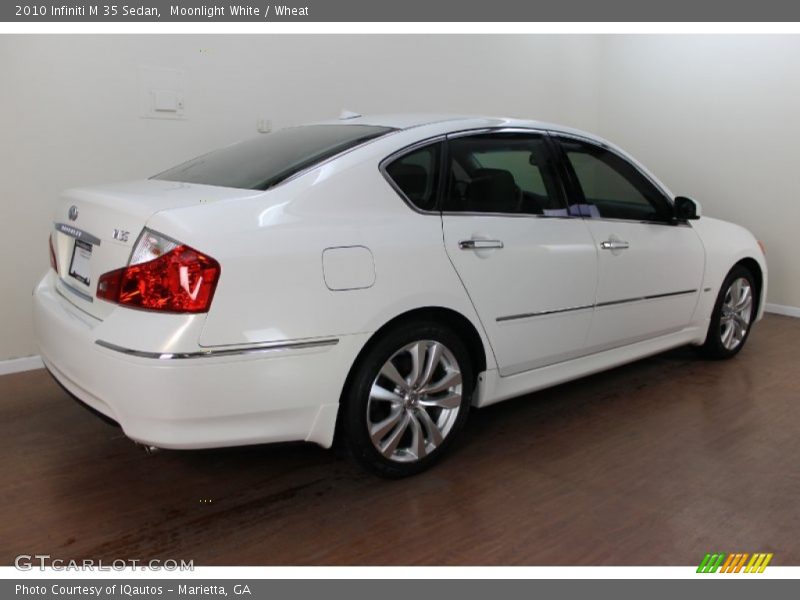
pixel 348 114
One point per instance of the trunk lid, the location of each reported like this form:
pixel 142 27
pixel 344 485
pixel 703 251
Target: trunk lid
pixel 96 228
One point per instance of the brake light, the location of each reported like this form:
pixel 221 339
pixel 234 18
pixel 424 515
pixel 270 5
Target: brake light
pixel 179 280
pixel 53 262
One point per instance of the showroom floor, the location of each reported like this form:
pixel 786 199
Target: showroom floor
pixel 658 462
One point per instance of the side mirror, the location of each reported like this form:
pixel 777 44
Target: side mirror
pixel 686 209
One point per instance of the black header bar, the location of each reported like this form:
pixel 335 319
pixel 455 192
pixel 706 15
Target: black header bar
pixel 337 11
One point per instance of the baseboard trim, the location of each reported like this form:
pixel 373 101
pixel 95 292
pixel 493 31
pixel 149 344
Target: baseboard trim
pixel 782 309
pixel 17 365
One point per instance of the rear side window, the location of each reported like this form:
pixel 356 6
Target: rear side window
pixel 259 163
pixel 416 175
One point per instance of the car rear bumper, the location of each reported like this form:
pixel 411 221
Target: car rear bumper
pixel 286 392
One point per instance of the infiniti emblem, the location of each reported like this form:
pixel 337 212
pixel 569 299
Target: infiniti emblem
pixel 73 212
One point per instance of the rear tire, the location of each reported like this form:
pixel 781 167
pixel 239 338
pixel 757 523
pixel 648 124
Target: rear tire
pixel 733 315
pixel 408 399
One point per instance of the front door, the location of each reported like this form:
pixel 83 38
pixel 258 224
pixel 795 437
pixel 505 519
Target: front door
pixel 650 267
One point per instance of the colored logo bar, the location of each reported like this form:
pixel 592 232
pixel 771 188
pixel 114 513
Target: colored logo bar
pixel 735 562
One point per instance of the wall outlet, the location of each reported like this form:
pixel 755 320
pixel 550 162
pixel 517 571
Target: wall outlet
pixel 161 93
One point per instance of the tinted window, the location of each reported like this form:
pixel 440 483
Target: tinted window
pixel 502 173
pixel 416 174
pixel 610 187
pixel 262 162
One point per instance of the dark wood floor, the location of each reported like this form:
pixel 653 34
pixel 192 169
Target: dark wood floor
pixel 655 463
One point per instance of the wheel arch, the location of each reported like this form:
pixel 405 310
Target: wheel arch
pixel 460 324
pixel 752 265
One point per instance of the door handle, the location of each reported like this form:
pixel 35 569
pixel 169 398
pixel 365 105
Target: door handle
pixel 614 245
pixel 479 244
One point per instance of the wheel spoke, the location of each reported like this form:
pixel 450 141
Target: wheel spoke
pixel 417 438
pixel 728 335
pixel 431 362
pixel 450 379
pixel 378 431
pixel 417 352
pixel 745 306
pixel 434 434
pixel 738 331
pixel 390 445
pixel 381 393
pixel 449 401
pixel 736 292
pixel 392 374
pixel 745 300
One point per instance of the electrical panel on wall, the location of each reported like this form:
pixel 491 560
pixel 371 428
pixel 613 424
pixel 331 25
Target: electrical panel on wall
pixel 161 93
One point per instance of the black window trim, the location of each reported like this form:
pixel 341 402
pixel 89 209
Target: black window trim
pixel 570 180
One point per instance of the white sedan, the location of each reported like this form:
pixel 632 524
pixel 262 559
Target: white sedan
pixel 375 278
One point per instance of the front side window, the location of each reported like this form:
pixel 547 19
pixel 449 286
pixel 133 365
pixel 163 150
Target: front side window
pixel 610 187
pixel 501 173
pixel 264 161
pixel 416 175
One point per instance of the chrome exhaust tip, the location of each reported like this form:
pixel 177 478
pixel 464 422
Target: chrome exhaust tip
pixel 149 450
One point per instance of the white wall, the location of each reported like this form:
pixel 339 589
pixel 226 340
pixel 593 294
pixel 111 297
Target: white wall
pixel 69 112
pixel 717 118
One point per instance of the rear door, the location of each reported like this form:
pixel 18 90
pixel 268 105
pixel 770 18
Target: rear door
pixel 529 268
pixel 650 267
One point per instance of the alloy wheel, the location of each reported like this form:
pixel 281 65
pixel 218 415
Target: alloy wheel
pixel 414 401
pixel 737 308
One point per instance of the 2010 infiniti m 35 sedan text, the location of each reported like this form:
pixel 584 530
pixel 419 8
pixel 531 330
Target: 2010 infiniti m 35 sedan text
pixel 376 278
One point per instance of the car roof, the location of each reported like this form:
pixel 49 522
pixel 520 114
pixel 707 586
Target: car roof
pixel 455 122
pixel 443 123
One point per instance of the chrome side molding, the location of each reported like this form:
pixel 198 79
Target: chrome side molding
pixel 597 305
pixel 217 352
pixel 542 313
pixel 639 299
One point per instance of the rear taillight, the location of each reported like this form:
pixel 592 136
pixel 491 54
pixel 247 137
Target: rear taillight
pixel 163 275
pixel 53 262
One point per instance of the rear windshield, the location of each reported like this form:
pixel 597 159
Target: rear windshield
pixel 261 162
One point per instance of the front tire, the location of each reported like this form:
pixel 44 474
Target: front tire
pixel 733 315
pixel 408 399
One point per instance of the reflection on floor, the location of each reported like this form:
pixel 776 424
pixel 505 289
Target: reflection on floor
pixel 654 463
